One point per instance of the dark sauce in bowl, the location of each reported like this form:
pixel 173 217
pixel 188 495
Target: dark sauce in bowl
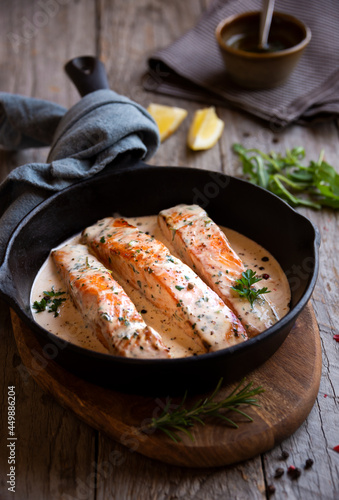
pixel 250 43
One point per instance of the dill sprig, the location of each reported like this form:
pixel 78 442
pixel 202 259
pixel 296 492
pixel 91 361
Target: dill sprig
pixel 181 419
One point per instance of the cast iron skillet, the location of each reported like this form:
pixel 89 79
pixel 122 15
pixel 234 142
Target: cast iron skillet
pixel 135 189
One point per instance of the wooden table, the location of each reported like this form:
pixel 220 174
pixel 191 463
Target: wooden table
pixel 58 456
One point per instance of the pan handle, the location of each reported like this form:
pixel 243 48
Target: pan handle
pixel 87 73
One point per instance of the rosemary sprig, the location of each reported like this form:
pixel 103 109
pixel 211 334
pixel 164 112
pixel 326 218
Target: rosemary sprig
pixel 181 419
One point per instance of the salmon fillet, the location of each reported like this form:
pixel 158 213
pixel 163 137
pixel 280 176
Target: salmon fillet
pixel 105 306
pixel 168 283
pixel 203 246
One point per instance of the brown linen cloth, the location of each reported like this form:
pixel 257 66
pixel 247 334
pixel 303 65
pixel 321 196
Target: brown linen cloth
pixel 192 67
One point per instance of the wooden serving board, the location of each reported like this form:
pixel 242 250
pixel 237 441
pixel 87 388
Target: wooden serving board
pixel 290 377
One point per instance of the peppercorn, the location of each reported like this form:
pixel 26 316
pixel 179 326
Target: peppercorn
pixel 270 489
pixel 308 464
pixel 284 455
pixel 279 472
pixel 293 472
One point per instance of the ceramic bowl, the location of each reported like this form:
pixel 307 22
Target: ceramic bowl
pixel 251 68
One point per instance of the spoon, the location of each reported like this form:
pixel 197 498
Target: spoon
pixel 265 23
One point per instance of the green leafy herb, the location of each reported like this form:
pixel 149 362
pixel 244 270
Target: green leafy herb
pixel 244 286
pixel 288 178
pixel 180 419
pixel 49 302
pixel 40 306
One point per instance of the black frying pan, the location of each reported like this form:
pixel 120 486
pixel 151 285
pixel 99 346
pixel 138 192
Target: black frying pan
pixel 139 189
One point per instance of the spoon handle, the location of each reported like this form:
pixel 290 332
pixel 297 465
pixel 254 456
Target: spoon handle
pixel 265 22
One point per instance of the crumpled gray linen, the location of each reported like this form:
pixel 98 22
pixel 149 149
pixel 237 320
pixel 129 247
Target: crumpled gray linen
pixel 84 140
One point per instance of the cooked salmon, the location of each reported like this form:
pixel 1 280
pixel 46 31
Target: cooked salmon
pixel 203 246
pixel 105 306
pixel 168 283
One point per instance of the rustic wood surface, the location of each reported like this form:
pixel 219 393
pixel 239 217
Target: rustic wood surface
pixel 58 456
pixel 288 398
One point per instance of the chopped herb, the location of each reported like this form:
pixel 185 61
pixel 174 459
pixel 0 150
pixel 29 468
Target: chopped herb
pixel 102 239
pixel 134 270
pixel 179 287
pixel 40 306
pixel 106 316
pixel 124 320
pixel 49 302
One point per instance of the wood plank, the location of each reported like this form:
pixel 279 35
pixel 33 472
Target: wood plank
pixel 239 127
pixel 321 429
pixel 152 479
pixel 55 453
pixel 138 36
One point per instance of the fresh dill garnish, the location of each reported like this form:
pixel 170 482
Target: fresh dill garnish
pixel 244 286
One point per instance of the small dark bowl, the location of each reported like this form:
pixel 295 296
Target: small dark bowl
pixel 145 190
pixel 238 38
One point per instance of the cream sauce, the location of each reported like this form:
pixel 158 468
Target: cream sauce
pixel 70 326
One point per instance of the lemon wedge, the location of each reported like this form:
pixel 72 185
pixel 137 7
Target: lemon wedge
pixel 168 118
pixel 205 130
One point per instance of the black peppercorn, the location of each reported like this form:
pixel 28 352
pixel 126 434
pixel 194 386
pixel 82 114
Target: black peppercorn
pixel 279 472
pixel 284 455
pixel 270 489
pixel 308 464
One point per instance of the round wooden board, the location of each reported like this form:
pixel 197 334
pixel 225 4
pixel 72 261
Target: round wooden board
pixel 291 379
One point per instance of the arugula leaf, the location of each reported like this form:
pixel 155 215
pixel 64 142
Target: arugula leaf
pixel 287 177
pixel 244 286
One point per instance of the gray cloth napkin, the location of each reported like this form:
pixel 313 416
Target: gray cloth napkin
pixel 192 67
pixel 93 134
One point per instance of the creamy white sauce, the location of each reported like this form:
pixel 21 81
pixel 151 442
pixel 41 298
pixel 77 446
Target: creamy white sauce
pixel 70 326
